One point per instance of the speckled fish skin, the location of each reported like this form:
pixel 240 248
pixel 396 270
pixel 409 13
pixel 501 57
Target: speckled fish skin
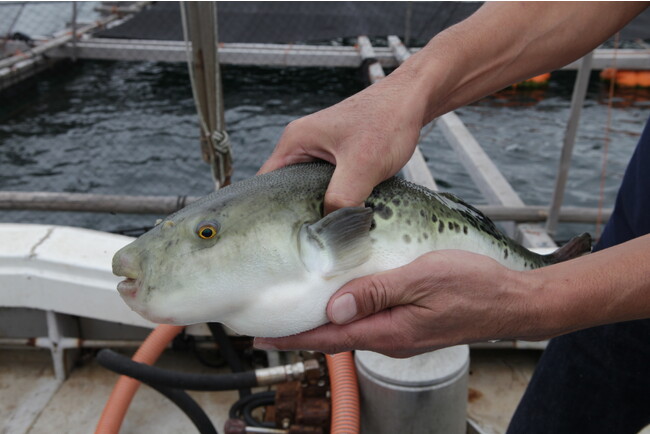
pixel 254 276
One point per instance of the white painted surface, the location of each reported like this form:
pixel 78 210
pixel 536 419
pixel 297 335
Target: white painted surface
pixel 62 269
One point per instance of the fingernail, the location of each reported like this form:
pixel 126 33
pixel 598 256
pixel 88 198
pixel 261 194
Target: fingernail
pixel 264 345
pixel 344 309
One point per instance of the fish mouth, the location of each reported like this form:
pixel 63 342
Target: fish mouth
pixel 128 288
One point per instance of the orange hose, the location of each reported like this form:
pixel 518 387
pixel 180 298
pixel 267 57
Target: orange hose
pixel 125 388
pixel 346 408
pixel 343 379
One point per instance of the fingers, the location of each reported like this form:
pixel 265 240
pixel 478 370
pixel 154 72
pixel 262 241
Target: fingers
pixel 301 142
pixel 372 294
pixel 379 333
pixel 350 185
pixel 277 161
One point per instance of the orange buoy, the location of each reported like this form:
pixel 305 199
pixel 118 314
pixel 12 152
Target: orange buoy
pixel 643 78
pixel 626 78
pixel 534 82
pixel 607 74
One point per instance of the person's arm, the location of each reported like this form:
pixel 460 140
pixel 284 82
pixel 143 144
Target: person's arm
pixel 453 297
pixel 450 297
pixel 507 42
pixel 371 135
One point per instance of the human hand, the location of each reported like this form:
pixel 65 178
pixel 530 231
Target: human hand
pixel 369 137
pixel 441 299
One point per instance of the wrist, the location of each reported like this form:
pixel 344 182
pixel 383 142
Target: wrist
pixel 534 317
pixel 556 303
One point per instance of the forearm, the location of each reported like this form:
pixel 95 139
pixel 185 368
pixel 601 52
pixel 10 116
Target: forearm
pixel 503 43
pixel 609 286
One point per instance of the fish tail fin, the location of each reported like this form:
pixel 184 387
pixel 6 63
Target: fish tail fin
pixel 577 246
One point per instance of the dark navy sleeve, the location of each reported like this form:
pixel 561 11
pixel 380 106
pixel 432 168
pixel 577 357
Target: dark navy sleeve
pixel 596 380
pixel 631 216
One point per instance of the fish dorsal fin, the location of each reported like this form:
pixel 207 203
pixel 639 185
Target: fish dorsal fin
pixel 577 246
pixel 338 242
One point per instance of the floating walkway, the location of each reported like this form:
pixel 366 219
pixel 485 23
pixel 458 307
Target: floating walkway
pixel 145 32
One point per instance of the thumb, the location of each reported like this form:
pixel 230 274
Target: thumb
pixel 349 186
pixel 369 295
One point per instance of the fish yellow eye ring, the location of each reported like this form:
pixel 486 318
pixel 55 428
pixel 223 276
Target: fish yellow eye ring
pixel 207 232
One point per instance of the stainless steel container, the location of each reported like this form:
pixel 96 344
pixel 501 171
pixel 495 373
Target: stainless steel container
pixel 421 394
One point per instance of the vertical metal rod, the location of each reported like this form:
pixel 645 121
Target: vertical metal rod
pixel 577 102
pixel 54 335
pixel 200 27
pixel 407 22
pixel 74 31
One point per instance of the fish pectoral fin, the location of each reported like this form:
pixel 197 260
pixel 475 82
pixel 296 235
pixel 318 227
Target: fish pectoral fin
pixel 338 242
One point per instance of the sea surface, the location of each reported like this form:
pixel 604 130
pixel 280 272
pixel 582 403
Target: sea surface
pixel 131 128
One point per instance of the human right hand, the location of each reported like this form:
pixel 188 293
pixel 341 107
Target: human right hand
pixel 369 136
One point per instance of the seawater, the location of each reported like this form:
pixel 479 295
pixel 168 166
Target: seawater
pixel 132 128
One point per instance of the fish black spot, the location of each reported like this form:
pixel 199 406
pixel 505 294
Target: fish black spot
pixel 373 224
pixel 396 202
pixel 456 227
pixel 383 211
pixel 434 218
pixel 408 222
pixel 465 229
pixel 451 226
pixel 505 254
pixel 407 238
pixel 423 214
pixel 525 264
pixel 441 226
pixel 426 236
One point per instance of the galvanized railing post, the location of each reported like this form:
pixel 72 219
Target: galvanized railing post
pixel 200 27
pixel 577 102
pixel 73 24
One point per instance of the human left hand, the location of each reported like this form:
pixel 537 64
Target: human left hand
pixel 441 299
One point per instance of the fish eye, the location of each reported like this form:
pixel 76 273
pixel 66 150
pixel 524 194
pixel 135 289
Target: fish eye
pixel 207 230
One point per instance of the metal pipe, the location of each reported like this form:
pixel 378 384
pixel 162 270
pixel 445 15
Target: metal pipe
pixel 70 343
pixel 577 102
pixel 74 31
pixel 61 40
pixel 200 28
pixel 407 22
pixel 85 202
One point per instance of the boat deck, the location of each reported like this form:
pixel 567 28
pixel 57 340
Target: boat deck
pixel 33 401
